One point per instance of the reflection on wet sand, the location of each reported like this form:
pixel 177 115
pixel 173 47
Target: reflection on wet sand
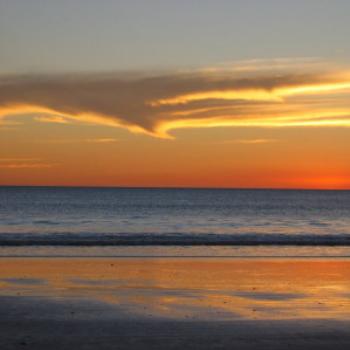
pixel 188 289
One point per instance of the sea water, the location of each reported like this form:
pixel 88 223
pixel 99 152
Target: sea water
pixel 123 221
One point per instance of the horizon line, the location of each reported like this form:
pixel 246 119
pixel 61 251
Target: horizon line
pixel 177 188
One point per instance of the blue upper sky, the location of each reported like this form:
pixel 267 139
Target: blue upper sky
pixel 91 35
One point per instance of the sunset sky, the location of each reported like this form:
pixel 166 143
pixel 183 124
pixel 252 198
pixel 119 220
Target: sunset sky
pixel 246 94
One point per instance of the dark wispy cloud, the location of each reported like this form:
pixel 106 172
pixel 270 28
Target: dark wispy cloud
pixel 157 103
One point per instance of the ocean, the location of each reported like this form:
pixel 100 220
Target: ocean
pixel 157 221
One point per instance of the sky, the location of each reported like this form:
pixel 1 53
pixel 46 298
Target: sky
pixel 246 94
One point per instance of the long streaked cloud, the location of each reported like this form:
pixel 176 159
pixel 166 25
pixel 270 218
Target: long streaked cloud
pixel 51 119
pixel 24 163
pixel 158 103
pixel 26 166
pixel 99 140
pixel 250 141
pixel 7 160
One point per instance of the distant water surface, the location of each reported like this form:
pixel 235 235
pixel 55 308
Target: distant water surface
pixel 113 216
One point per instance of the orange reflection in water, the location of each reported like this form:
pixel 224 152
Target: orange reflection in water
pixel 190 288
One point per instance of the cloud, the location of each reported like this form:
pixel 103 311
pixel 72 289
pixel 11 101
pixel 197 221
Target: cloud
pixel 6 160
pixel 273 64
pixel 24 163
pixel 250 141
pixel 52 119
pixel 100 140
pixel 155 104
pixel 25 166
pixel 8 125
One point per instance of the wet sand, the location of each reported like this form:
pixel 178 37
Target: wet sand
pixel 87 303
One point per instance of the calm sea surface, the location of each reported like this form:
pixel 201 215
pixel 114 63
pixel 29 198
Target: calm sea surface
pixel 172 217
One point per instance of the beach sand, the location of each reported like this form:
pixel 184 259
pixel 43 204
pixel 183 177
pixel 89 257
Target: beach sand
pixel 174 303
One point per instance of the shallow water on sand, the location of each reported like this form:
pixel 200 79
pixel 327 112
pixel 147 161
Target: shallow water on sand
pixel 174 303
pixel 185 288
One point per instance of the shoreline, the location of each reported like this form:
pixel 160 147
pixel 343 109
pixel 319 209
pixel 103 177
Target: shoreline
pixel 234 252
